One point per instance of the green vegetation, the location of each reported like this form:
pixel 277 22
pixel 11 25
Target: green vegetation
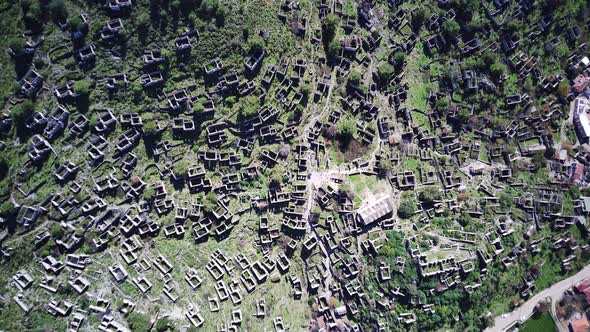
pixel 139 322
pixel 385 71
pixel 343 101
pixel 329 31
pixel 408 205
pixel 82 87
pixel 539 323
pixel 346 128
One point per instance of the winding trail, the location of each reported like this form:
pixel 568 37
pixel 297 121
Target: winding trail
pixel 525 310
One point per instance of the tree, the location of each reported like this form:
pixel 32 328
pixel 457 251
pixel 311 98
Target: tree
pixel 211 8
pixel 430 194
pixel 346 127
pixel 93 121
pixel 306 89
pixel 464 114
pixel 22 111
pixel 505 200
pixel 76 23
pixel 345 190
pixel 278 174
pixel 418 17
pixel 330 131
pixel 56 231
pixel 188 4
pixel 451 28
pixel 333 48
pixel 181 167
pixel 150 126
pixel 82 87
pixel 149 194
pixel 210 201
pixel 464 219
pixel 136 91
pixel 399 58
pixel 16 44
pixel 329 29
pixel 575 192
pixel 32 15
pixel 407 206
pixel 442 104
pixel 498 69
pixel 143 25
pixel 255 43
pixel 58 10
pixel 7 208
pixel 249 106
pixel 385 71
pixel 465 8
pixel 354 78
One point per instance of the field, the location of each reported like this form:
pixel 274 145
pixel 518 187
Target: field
pixel 539 323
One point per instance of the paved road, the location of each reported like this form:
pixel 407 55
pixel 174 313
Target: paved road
pixel 526 309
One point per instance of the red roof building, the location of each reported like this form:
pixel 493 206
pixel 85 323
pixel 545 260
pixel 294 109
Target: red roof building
pixel 580 83
pixel 579 172
pixel 583 285
pixel 580 324
pixel 584 288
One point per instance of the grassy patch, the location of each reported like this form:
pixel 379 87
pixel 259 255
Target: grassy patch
pixel 410 164
pixel 539 323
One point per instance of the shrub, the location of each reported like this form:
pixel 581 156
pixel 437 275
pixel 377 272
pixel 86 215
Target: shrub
pixel 442 104
pixel 164 325
pixel 539 161
pixel 138 322
pixel 150 126
pixel 564 88
pixel 181 167
pixel 210 201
